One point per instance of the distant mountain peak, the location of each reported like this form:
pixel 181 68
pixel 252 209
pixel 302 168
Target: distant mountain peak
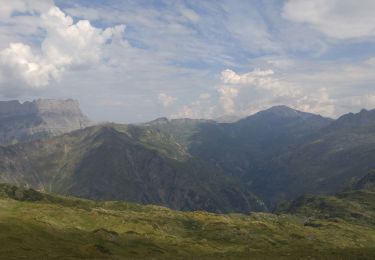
pixel 158 121
pixel 281 107
pixel 39 118
pixel 191 120
pixel 285 111
pixel 227 119
pixel 353 120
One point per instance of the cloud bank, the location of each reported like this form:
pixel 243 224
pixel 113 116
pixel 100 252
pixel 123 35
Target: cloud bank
pixel 248 93
pixel 339 19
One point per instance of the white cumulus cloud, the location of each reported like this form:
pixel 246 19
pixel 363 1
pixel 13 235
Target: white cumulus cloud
pixel 244 94
pixel 66 45
pixel 166 100
pixel 227 98
pixel 230 77
pixel 247 93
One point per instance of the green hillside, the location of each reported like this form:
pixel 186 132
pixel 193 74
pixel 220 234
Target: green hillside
pixel 44 226
pixel 124 162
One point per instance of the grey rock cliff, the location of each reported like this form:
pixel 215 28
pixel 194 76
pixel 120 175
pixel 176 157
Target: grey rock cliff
pixel 20 122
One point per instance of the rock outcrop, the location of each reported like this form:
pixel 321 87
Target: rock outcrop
pixel 20 122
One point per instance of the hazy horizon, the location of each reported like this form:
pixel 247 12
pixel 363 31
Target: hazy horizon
pixel 223 118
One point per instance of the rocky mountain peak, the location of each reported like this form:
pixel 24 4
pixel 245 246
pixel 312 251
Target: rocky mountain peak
pixel 158 121
pixel 57 106
pixel 364 118
pixel 15 108
pixel 285 112
pixel 39 118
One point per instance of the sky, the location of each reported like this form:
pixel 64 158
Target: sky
pixel 133 61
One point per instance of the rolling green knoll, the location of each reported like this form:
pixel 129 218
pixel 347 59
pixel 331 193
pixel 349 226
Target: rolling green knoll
pixel 44 226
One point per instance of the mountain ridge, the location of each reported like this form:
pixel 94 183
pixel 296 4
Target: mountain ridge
pixel 105 163
pixel 274 155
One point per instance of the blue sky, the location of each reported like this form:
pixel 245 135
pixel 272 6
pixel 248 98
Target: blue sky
pixel 132 61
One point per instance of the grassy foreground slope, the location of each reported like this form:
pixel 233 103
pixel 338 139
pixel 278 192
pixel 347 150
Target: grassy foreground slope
pixel 41 226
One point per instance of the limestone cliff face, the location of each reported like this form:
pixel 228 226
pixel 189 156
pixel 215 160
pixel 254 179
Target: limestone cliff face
pixel 20 122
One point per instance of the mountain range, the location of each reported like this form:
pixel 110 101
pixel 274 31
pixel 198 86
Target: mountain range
pixel 119 162
pixel 252 164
